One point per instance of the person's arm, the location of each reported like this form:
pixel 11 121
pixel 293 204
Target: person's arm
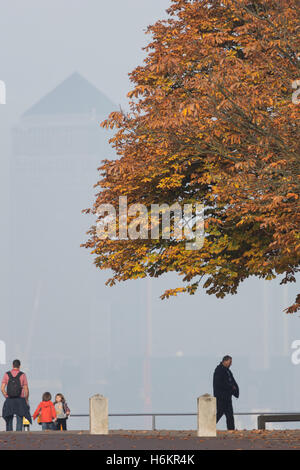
pixel 24 384
pixel 37 411
pixel 3 390
pixel 4 385
pixel 236 390
pixel 53 412
pixel 26 392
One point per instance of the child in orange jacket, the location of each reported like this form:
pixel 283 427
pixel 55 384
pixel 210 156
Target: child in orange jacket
pixel 46 411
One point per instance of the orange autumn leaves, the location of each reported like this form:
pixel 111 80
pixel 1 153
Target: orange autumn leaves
pixel 211 120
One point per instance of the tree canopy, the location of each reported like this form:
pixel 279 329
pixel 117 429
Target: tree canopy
pixel 211 119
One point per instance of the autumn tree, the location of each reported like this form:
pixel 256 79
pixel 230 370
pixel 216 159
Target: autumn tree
pixel 212 120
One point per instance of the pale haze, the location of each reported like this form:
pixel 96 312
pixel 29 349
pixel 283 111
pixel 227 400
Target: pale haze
pixel 65 65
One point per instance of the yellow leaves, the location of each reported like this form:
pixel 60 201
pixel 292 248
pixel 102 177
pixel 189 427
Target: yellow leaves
pixel 278 164
pixel 173 157
pixel 292 195
pixel 139 90
pixel 232 53
pixel 233 139
pixel 137 268
pixel 169 182
pixel 172 292
pixel 277 199
pixel 191 109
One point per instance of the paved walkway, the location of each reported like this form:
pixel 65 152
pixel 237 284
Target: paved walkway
pixel 148 440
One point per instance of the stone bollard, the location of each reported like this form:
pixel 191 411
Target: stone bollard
pixel 98 414
pixel 207 426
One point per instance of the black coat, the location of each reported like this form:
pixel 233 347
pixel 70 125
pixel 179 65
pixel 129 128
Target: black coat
pixel 224 384
pixel 16 406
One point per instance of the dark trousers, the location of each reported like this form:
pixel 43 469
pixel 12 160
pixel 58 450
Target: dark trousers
pixel 224 407
pixel 61 424
pixel 9 423
pixel 48 426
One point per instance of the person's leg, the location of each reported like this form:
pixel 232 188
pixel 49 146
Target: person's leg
pixel 19 426
pixel 9 423
pixel 64 424
pixel 229 416
pixel 220 409
pixel 57 424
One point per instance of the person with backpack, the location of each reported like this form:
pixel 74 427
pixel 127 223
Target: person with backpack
pixel 14 388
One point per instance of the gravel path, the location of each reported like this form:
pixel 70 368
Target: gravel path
pixel 146 440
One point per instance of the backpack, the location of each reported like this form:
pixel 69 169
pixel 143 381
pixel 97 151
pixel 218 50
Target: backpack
pixel 14 387
pixel 66 408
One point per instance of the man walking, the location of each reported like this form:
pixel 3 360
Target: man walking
pixel 224 387
pixel 14 388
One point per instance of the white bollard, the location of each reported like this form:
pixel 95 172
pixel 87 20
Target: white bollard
pixel 207 409
pixel 98 414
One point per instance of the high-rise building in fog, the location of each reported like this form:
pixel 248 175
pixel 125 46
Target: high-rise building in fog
pixel 58 145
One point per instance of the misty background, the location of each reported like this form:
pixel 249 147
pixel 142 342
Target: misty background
pixel 65 65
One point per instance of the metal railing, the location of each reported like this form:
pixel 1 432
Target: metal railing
pixel 155 415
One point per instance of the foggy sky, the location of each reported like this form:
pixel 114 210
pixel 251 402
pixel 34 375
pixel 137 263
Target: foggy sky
pixel 41 44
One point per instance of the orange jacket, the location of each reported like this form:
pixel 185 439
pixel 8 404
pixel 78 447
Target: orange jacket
pixel 46 410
